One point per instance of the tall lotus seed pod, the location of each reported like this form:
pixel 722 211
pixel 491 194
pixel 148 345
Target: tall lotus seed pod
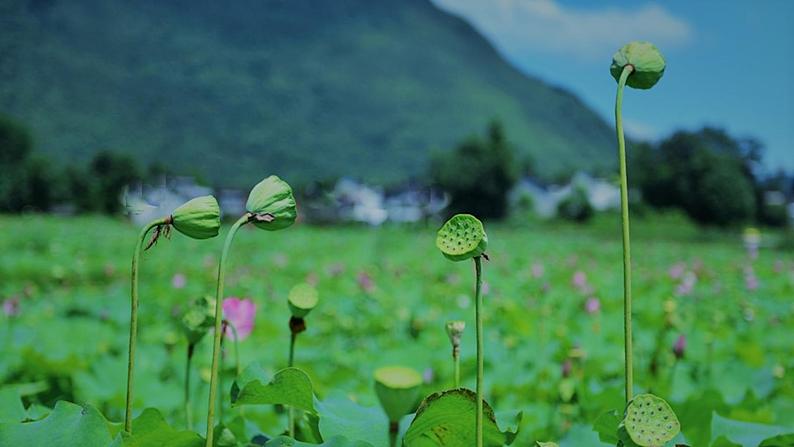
pixel 463 237
pixel 196 323
pixel 640 65
pixel 270 206
pixel 301 300
pixel 397 388
pixel 199 218
pixel 646 61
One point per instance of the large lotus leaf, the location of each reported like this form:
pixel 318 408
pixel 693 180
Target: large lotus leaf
pixel 337 441
pixel 339 416
pixel 745 434
pixel 786 440
pixel 606 425
pixel 290 386
pixel 69 425
pixel 11 408
pixel 151 430
pixel 448 418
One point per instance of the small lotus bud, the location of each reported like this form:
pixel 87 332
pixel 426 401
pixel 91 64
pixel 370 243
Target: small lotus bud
pixel 645 58
pixel 272 204
pixel 301 300
pixel 198 319
pixel 455 332
pixel 679 348
pixel 462 237
pixel 199 218
pixel 397 388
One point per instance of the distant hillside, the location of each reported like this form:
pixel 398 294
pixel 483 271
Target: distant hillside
pixel 304 88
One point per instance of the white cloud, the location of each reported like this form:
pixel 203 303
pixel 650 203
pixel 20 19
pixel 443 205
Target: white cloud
pixel 544 25
pixel 640 130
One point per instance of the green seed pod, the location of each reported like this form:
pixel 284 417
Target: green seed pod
pixel 650 421
pixel 397 388
pixel 462 237
pixel 647 61
pixel 302 299
pixel 198 319
pixel 272 204
pixel 199 218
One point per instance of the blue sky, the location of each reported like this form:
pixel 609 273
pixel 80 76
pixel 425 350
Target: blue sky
pixel 730 63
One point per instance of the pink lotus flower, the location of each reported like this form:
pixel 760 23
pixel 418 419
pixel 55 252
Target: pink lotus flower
pixel 687 284
pixel 592 305
pixel 579 279
pixel 750 280
pixel 179 281
pixel 679 348
pixel 241 315
pixel 538 270
pixel 677 270
pixel 365 282
pixel 11 307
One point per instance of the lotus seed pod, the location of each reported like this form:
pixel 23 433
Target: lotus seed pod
pixel 302 299
pixel 650 421
pixel 462 237
pixel 198 319
pixel 455 331
pixel 647 61
pixel 272 204
pixel 397 388
pixel 199 218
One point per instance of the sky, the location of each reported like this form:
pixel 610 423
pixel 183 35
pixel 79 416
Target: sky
pixel 730 63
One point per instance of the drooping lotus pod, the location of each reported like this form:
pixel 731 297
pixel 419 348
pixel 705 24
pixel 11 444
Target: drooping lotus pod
pixel 198 319
pixel 272 204
pixel 302 299
pixel 647 61
pixel 462 237
pixel 455 331
pixel 199 218
pixel 397 388
pixel 650 421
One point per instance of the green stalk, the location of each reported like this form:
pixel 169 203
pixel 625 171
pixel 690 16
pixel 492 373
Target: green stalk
pixel 290 363
pixel 216 345
pixel 456 365
pixel 480 356
pixel 136 255
pixel 624 215
pixel 188 416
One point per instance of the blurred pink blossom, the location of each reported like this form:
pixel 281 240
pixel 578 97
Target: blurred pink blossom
pixel 592 305
pixel 486 288
pixel 538 270
pixel 687 284
pixel 579 279
pixel 365 282
pixel 677 270
pixel 11 306
pixel 750 280
pixel 179 281
pixel 240 314
pixel 567 368
pixel 679 348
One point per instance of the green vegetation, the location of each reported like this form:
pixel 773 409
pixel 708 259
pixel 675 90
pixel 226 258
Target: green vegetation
pixel 549 354
pixel 309 91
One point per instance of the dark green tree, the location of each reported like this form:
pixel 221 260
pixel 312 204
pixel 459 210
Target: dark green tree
pixel 477 174
pixel 109 173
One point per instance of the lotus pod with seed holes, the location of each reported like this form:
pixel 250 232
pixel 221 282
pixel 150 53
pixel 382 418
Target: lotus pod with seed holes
pixel 650 422
pixel 302 299
pixel 199 218
pixel 397 388
pixel 272 204
pixel 462 237
pixel 647 61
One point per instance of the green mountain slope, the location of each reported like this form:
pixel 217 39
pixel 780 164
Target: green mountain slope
pixel 305 88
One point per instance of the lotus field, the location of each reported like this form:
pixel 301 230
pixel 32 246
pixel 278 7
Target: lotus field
pixel 453 334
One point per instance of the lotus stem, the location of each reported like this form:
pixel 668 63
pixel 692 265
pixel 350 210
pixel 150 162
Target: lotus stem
pixel 480 354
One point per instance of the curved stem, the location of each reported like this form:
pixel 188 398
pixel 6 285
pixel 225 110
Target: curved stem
pixel 136 255
pixel 188 416
pixel 216 345
pixel 480 355
pixel 290 363
pixel 624 215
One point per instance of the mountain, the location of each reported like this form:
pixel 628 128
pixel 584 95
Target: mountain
pixel 231 91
